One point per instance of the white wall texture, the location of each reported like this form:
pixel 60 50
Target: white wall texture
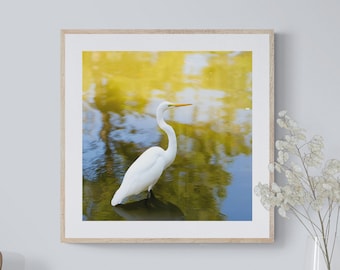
pixel 307 80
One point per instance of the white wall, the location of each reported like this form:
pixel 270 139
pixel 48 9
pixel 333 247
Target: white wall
pixel 307 85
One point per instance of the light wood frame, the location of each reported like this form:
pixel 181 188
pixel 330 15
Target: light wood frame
pixel 74 230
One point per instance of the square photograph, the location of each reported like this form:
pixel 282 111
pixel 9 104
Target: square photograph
pixel 145 157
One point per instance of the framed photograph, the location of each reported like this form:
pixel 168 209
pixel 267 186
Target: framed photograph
pixel 165 133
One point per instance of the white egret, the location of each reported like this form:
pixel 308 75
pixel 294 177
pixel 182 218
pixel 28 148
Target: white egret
pixel 144 173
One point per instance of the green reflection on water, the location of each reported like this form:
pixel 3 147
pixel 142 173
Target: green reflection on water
pixel 121 91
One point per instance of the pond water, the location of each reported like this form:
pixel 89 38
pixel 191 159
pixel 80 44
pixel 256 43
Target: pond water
pixel 210 178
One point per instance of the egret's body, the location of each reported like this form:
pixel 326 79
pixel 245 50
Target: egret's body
pixel 144 173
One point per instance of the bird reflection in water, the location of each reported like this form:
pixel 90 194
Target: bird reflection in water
pixel 149 209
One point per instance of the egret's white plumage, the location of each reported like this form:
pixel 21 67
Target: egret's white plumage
pixel 144 173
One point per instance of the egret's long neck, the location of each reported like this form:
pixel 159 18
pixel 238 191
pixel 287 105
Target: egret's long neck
pixel 172 145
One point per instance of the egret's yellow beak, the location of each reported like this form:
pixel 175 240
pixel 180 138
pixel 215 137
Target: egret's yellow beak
pixel 181 104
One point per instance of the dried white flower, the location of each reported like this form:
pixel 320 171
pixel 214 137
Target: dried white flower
pixel 282 113
pixel 282 157
pixel 276 188
pixel 282 212
pixel 298 159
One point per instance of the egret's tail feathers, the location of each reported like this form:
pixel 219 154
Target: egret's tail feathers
pixel 115 202
pixel 117 199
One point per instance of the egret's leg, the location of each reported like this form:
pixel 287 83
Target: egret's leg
pixel 150 194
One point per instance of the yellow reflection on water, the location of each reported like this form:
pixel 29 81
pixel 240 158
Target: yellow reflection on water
pixel 121 91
